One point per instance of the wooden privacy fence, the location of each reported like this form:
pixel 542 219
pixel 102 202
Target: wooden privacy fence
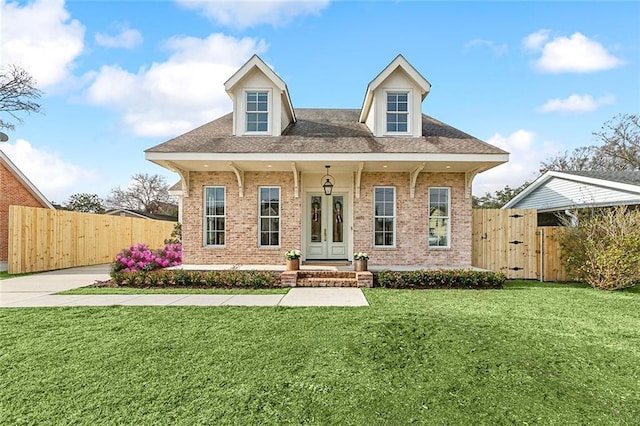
pixel 511 242
pixel 44 239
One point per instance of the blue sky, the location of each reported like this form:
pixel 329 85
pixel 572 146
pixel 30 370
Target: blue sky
pixel 535 78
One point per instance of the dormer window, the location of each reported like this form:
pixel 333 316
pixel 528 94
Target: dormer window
pixel 397 112
pixel 257 111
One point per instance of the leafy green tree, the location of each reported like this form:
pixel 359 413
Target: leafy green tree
pixel 603 249
pixel 498 198
pixel 86 203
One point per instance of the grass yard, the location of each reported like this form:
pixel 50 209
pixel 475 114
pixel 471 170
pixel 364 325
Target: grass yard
pixel 4 275
pixel 530 354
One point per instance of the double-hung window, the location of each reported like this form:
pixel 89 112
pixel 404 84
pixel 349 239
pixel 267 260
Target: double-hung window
pixel 384 216
pixel 257 115
pixel 439 217
pixel 269 216
pixel 397 112
pixel 214 215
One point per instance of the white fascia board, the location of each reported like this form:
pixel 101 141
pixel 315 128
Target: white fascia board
pixel 254 62
pixel 401 62
pixel 366 104
pixel 398 62
pixel 590 205
pixel 528 190
pixel 335 157
pixel 598 182
pixel 290 104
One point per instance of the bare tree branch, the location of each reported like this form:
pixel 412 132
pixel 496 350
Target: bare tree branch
pixel 146 193
pixel 619 149
pixel 17 93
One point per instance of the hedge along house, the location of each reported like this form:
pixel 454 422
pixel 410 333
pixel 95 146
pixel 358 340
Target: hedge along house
pixel 385 179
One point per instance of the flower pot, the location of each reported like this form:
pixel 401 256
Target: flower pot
pixel 360 265
pixel 293 264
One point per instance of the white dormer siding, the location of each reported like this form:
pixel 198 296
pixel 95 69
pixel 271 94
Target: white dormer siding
pixel 394 98
pixel 259 97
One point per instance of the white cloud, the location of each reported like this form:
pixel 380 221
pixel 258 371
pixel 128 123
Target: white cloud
pixel 498 49
pixel 41 38
pixel 576 104
pixel 53 176
pixel 535 41
pixel 246 13
pixel 127 38
pixel 576 53
pixel 526 153
pixel 168 98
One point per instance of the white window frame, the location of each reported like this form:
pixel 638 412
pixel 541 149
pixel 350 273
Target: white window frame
pixel 394 217
pixel 260 217
pixel 205 216
pixel 246 131
pixel 447 217
pixel 386 111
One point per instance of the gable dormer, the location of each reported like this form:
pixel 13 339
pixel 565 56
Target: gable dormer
pixel 261 102
pixel 393 101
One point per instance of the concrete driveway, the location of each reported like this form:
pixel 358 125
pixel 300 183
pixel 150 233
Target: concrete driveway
pixel 35 286
pixel 38 290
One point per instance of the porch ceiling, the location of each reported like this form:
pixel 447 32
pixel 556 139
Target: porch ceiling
pixel 468 163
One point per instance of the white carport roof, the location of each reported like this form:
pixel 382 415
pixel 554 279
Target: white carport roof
pixel 555 191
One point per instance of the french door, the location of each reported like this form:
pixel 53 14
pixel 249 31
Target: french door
pixel 326 230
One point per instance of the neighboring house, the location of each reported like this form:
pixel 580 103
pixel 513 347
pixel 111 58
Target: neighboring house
pixel 15 189
pixel 140 215
pixel 255 182
pixel 555 192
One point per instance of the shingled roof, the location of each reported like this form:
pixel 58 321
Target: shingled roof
pixel 631 177
pixel 325 131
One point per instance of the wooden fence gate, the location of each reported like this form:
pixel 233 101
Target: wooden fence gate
pixel 510 241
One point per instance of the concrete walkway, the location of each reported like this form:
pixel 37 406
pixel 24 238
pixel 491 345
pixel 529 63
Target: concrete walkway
pixel 38 290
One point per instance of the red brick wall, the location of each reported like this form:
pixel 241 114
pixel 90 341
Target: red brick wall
pixel 411 220
pixel 12 193
pixel 241 244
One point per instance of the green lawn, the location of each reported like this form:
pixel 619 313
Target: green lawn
pixel 5 275
pixel 530 354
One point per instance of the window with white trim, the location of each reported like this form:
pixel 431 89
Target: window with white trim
pixel 384 216
pixel 269 216
pixel 397 112
pixel 214 215
pixel 439 217
pixel 257 114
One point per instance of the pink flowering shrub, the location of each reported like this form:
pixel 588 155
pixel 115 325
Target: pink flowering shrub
pixel 139 257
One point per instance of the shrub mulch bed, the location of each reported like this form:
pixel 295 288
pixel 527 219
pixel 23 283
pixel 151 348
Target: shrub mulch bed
pixel 419 279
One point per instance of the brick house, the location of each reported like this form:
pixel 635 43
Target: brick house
pixel 15 189
pixel 385 179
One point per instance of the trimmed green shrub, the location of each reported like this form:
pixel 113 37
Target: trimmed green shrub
pixel 203 279
pixel 439 279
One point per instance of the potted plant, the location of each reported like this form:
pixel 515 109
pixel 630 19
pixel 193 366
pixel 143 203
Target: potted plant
pixel 360 261
pixel 293 259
